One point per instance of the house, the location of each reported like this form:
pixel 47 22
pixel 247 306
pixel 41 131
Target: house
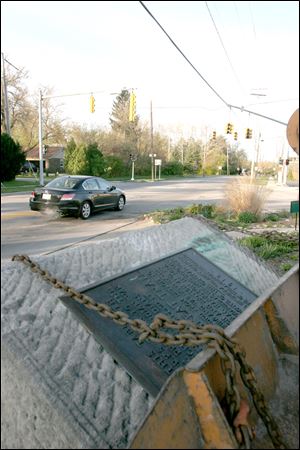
pixel 53 158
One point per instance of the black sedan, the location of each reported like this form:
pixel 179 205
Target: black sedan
pixel 77 195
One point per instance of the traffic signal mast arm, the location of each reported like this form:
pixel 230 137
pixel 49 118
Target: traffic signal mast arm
pixel 242 109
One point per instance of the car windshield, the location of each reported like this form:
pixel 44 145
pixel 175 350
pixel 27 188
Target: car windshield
pixel 63 183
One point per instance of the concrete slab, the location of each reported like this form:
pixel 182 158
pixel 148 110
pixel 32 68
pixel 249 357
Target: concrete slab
pixel 59 388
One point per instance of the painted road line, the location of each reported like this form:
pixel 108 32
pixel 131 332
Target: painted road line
pixel 10 215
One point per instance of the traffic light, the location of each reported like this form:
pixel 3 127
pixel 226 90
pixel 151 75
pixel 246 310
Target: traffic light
pixel 229 128
pixel 248 133
pixel 132 107
pixel 214 135
pixel 280 162
pixel 92 104
pixel 235 136
pixel 287 161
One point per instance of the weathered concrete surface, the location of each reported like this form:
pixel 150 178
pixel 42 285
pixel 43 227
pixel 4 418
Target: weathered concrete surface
pixel 59 388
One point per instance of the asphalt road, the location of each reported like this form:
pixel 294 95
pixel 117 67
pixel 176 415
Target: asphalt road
pixel 29 232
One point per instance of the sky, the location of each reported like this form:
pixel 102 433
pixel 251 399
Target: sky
pixel 239 48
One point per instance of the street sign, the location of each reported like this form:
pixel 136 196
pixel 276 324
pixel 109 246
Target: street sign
pixel 157 162
pixel 294 207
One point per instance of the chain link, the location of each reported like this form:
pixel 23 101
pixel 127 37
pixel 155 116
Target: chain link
pixel 189 334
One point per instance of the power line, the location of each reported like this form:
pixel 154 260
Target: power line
pixel 222 43
pixel 237 13
pixel 176 46
pixel 254 32
pixel 180 107
pixel 274 101
pixel 241 108
pixel 12 65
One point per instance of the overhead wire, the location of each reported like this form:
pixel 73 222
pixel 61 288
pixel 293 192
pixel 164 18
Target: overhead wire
pixel 224 48
pixel 252 20
pixel 237 13
pixel 241 108
pixel 180 51
pixel 12 65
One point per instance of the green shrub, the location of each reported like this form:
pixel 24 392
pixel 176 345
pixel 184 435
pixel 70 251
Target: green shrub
pixel 253 241
pixel 271 217
pixel 247 217
pixel 172 168
pixel 194 209
pixel 207 211
pixel 271 250
pixel 12 157
pixel 114 167
pixel 267 247
pixel 283 214
pixel 188 169
pixel 176 213
pixel 286 266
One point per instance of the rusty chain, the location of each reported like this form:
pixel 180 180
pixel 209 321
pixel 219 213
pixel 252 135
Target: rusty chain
pixel 189 334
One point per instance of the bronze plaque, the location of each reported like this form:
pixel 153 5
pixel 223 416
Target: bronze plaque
pixel 185 285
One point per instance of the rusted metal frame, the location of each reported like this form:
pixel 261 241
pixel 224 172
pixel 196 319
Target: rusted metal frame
pixel 264 323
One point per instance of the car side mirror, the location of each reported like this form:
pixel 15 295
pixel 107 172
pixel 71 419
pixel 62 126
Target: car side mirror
pixel 112 188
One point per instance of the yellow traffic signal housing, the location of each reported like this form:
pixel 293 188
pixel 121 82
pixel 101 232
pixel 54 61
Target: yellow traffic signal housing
pixel 235 136
pixel 92 104
pixel 214 135
pixel 229 128
pixel 248 133
pixel 132 107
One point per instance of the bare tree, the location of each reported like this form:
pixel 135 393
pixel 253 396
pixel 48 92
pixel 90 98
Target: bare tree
pixel 23 113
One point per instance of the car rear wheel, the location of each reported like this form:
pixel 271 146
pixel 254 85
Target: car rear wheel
pixel 85 210
pixel 120 204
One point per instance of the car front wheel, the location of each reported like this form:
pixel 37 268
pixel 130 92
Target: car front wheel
pixel 120 204
pixel 85 210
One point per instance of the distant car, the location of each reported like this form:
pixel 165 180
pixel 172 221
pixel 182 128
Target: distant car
pixel 245 172
pixel 28 167
pixel 77 195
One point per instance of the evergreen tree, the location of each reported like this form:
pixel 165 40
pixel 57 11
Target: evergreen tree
pixel 129 131
pixel 95 160
pixel 84 159
pixel 119 119
pixel 79 164
pixel 69 156
pixel 12 158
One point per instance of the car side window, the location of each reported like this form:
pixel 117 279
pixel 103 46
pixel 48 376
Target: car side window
pixel 102 184
pixel 90 185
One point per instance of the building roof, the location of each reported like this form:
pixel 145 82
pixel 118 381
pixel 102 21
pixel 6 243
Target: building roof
pixel 51 153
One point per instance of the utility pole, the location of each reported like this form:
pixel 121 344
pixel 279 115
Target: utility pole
pixel 151 137
pixel 255 157
pixel 6 111
pixel 169 148
pixel 204 154
pixel 41 139
pixel 227 159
